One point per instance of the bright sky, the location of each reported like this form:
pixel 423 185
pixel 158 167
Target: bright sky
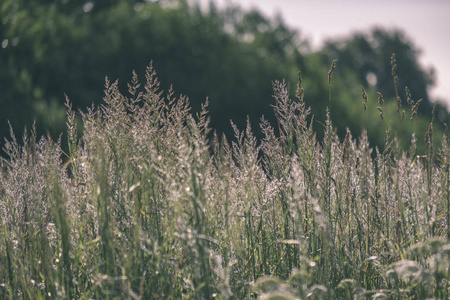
pixel 425 22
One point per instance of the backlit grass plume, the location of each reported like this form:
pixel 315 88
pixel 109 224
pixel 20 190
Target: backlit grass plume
pixel 148 203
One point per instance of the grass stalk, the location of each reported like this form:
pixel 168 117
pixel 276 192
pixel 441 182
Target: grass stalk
pixel 167 213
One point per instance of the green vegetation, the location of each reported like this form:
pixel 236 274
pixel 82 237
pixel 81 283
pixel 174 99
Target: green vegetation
pixel 148 195
pixel 149 204
pixel 54 48
pixel 59 48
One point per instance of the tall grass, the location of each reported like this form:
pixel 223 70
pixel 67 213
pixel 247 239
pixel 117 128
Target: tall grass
pixel 150 204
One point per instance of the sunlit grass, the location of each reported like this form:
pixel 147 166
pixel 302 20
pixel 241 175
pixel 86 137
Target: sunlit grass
pixel 150 204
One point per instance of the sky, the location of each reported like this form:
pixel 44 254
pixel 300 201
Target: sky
pixel 425 22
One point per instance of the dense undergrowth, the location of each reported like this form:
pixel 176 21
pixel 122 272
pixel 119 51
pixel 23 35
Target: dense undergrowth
pixel 149 204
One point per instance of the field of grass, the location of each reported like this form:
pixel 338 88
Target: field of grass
pixel 150 204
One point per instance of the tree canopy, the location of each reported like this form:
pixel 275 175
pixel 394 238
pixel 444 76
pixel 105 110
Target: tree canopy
pixel 55 48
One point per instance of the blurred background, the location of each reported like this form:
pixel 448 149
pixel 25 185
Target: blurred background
pixel 228 51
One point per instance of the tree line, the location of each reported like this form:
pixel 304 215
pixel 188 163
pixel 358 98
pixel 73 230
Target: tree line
pixel 54 48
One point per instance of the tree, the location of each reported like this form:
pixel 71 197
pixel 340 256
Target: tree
pixel 57 48
pixel 68 47
pixel 369 54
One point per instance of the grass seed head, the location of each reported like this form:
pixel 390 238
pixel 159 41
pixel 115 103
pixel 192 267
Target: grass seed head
pixel 414 109
pixel 393 64
pixel 380 109
pixel 408 96
pixel 380 98
pixel 364 95
pixel 399 104
pixel 330 72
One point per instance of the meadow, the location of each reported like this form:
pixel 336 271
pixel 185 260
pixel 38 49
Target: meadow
pixel 149 203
